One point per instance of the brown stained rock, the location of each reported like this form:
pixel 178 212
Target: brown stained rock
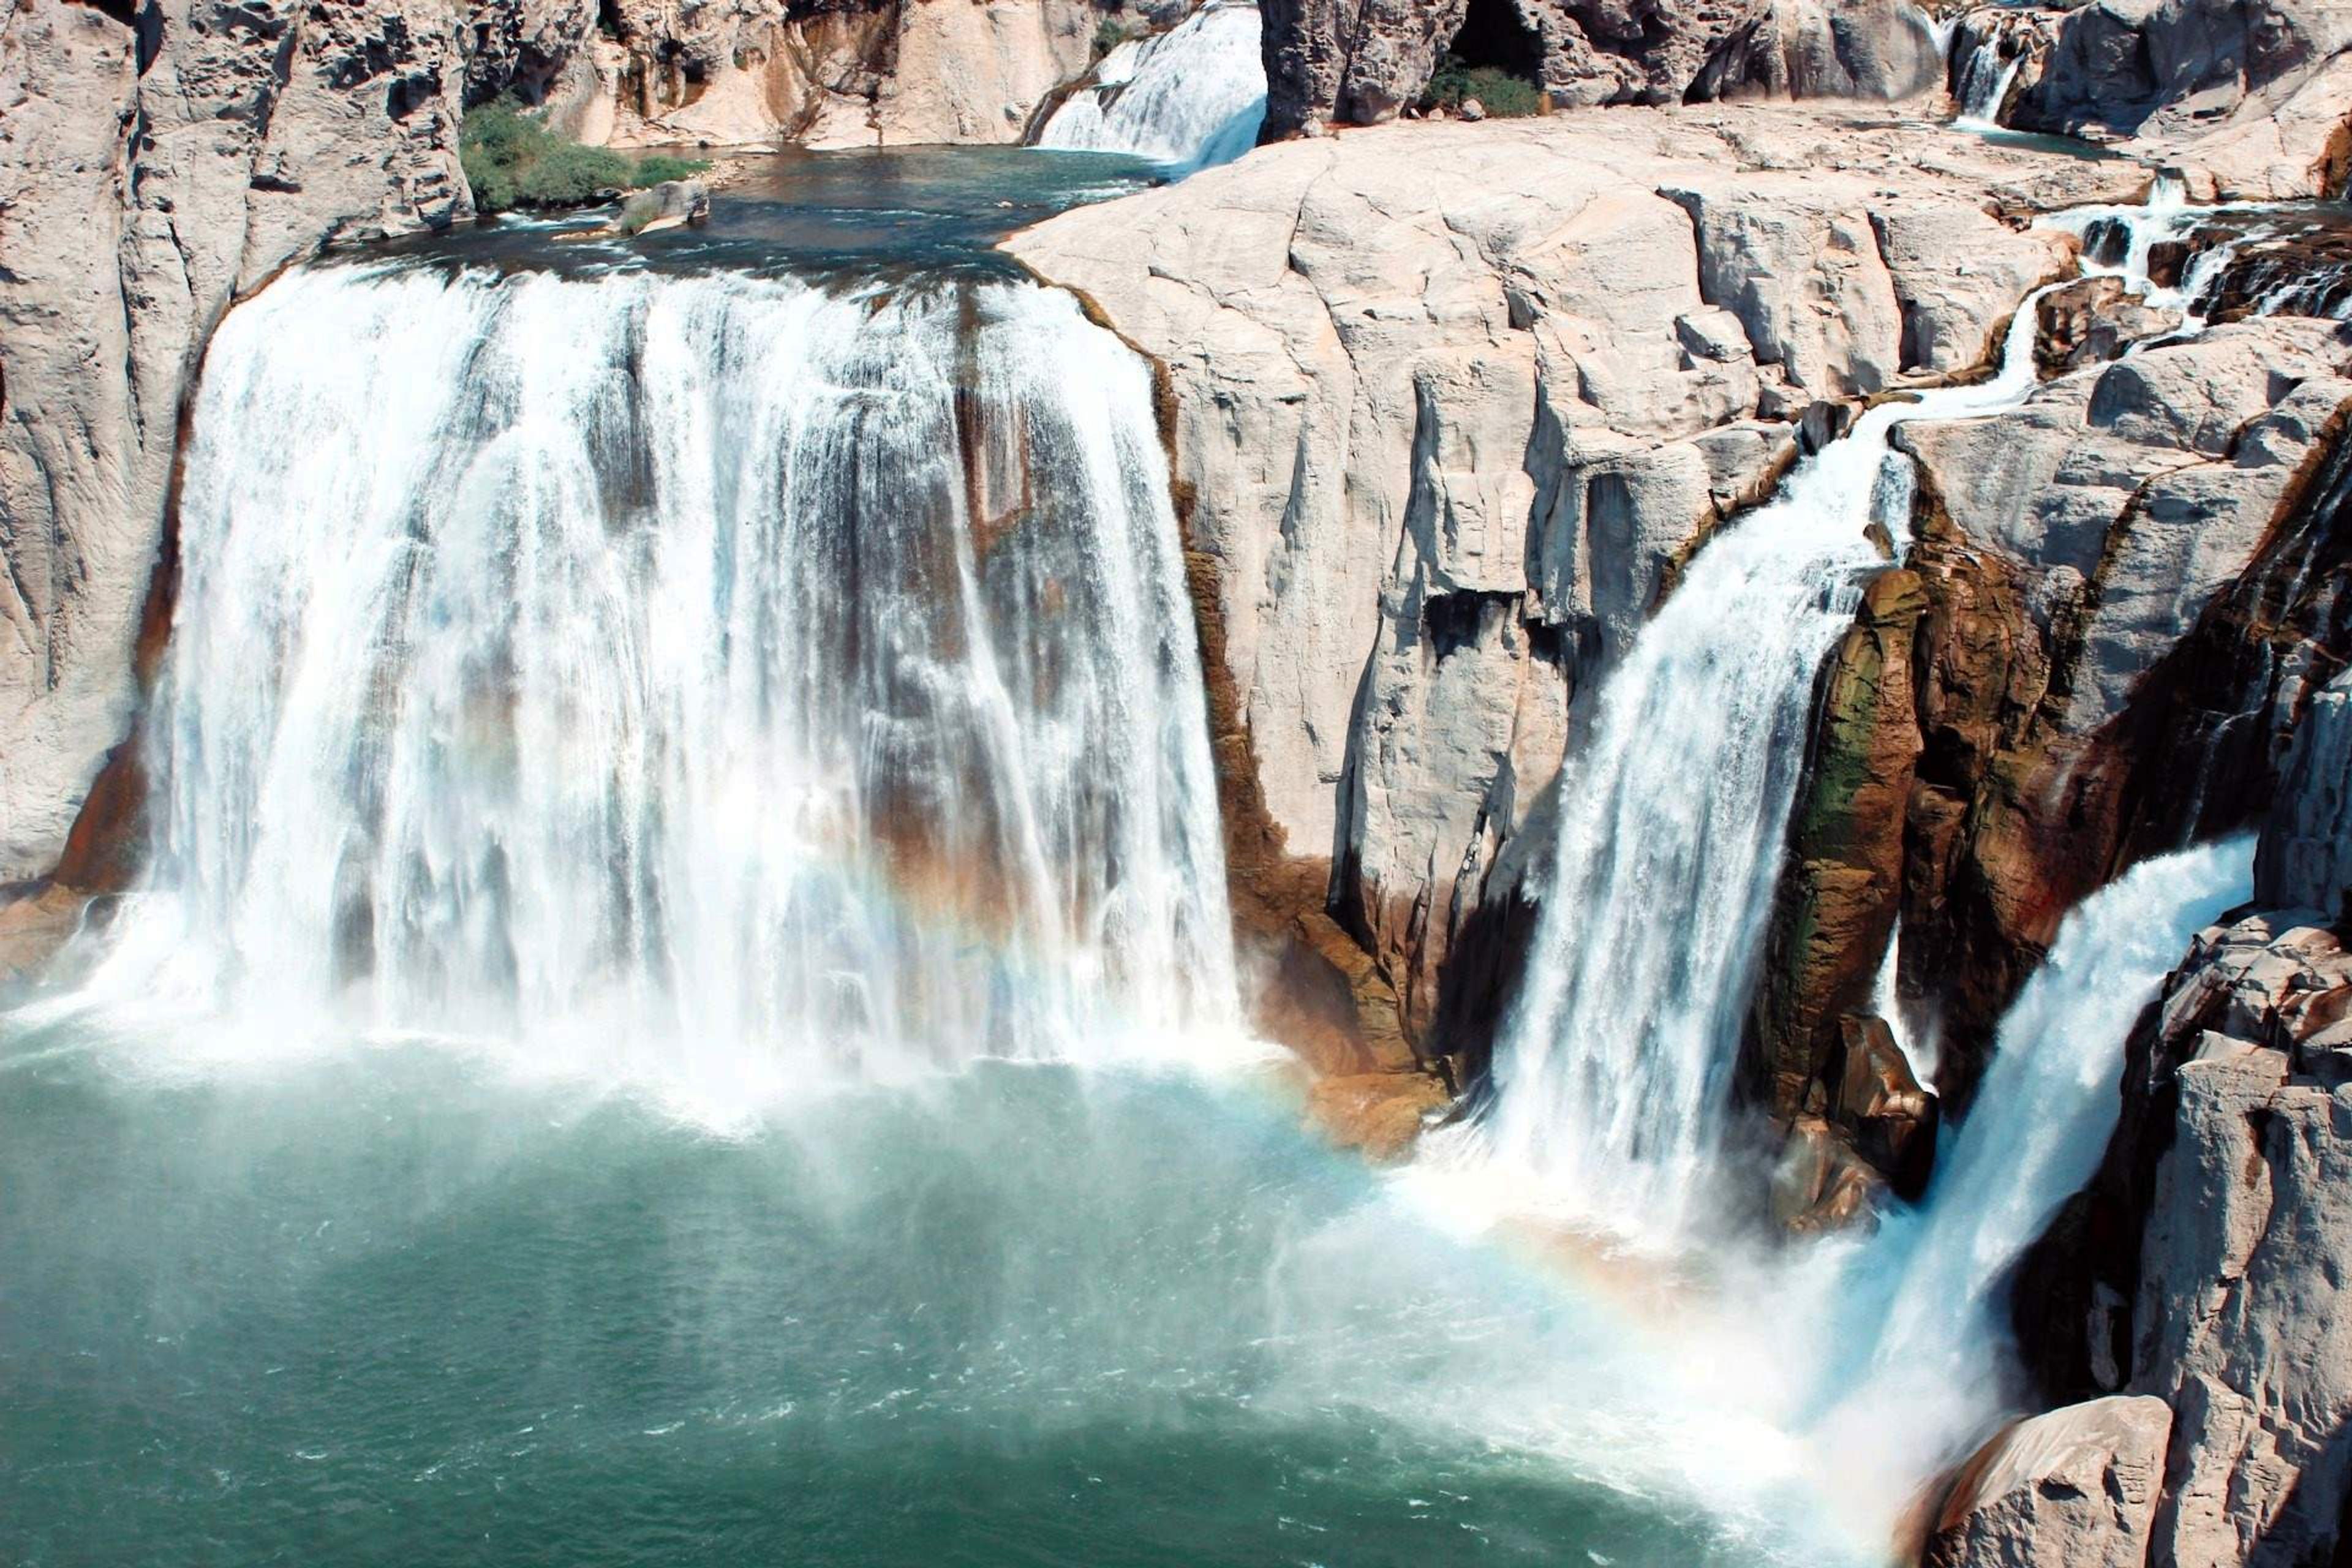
pixel 1835 911
pixel 1378 1114
pixel 1882 1107
pixel 2087 322
pixel 32 927
pixel 1821 1185
pixel 2136 582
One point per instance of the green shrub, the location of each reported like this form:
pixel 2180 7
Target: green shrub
pixel 1499 92
pixel 512 160
pixel 656 167
pixel 1113 31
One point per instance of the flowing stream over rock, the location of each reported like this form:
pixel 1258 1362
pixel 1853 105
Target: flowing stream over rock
pixel 1190 97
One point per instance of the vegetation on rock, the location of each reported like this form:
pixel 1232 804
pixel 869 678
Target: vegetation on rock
pixel 1499 92
pixel 512 160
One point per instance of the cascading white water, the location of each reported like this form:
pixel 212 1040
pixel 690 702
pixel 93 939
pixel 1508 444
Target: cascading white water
pixel 1917 1355
pixel 1985 83
pixel 1610 1074
pixel 1190 97
pixel 705 678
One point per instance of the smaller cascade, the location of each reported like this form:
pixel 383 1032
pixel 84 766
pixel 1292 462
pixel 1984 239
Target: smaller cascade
pixel 1988 51
pixel 1985 84
pixel 1924 1332
pixel 1188 98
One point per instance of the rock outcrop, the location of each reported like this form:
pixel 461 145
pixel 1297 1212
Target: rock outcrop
pixel 2256 100
pixel 2203 1265
pixel 1450 404
pixel 2073 552
pixel 1362 62
pixel 826 73
pixel 2074 1488
pixel 151 169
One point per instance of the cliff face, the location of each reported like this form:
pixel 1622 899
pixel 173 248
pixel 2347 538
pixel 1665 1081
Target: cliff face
pixel 1362 62
pixel 1451 406
pixel 827 73
pixel 2255 95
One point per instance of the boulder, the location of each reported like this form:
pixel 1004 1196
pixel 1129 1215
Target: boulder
pixel 2074 1488
pixel 669 204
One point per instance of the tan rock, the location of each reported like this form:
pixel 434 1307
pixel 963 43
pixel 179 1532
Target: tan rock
pixel 2074 1488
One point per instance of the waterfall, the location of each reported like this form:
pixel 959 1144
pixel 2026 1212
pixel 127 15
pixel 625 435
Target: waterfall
pixel 1610 1075
pixel 1190 97
pixel 703 678
pixel 1985 83
pixel 1926 1305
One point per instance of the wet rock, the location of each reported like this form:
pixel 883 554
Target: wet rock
pixel 670 204
pixel 2306 273
pixel 1820 1184
pixel 36 920
pixel 2078 540
pixel 1821 424
pixel 1890 1118
pixel 1450 407
pixel 2074 1488
pixel 1379 1115
pixel 1834 910
pixel 2090 322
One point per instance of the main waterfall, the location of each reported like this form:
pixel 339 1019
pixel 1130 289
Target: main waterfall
pixel 704 678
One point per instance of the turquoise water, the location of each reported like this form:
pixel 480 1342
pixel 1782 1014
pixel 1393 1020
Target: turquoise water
pixel 393 1304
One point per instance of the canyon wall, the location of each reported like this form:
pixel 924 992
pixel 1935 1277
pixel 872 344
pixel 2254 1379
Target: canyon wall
pixel 152 166
pixel 1362 62
pixel 829 74
pixel 1448 423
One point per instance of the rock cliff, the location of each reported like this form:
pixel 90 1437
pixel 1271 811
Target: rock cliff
pixel 1451 405
pixel 154 165
pixel 1362 62
pixel 158 162
pixel 2203 1267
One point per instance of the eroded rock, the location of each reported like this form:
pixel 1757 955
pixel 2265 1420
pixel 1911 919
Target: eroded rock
pixel 2074 1488
pixel 1451 405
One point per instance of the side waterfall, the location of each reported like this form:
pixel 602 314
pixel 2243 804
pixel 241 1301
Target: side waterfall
pixel 1611 1072
pixel 1190 97
pixel 1923 1331
pixel 707 678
